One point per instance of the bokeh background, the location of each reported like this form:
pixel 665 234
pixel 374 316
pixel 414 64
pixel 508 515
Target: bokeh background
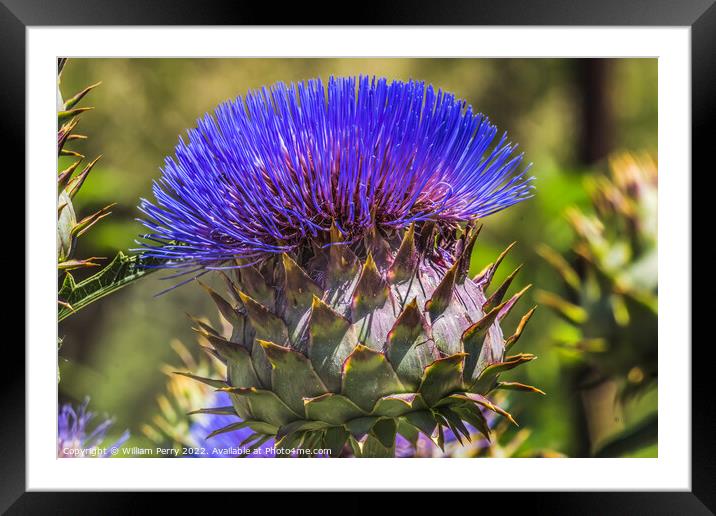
pixel 568 116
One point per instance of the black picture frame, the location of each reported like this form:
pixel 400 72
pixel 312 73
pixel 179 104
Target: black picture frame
pixel 17 15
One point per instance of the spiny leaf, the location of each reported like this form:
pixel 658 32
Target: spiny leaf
pixel 485 277
pixel 69 265
pixel 408 348
pixel 332 408
pixel 512 339
pixel 65 116
pixel 75 185
pixel 470 238
pixel 334 439
pixel 442 377
pixel 299 287
pixel 292 376
pixel 368 376
pixel 443 293
pixel 370 293
pixel 496 298
pixel 81 227
pixel 488 377
pixel 484 402
pixel 395 405
pixel 331 340
pixel 226 411
pixel 229 428
pixel 384 430
pixel 212 382
pixel 64 177
pixel 406 260
pixel 473 340
pixel 227 311
pixel 254 284
pixel 268 326
pixel 516 386
pixel 72 102
pixel 507 306
pixel 265 405
pixel 122 271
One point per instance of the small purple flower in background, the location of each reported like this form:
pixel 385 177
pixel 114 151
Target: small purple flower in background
pixel 276 170
pixel 80 434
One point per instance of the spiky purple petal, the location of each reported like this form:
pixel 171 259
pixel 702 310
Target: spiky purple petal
pixel 268 173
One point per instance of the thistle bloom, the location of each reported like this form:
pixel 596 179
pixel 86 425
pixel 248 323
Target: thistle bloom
pixel 78 435
pixel 276 170
pixel 367 325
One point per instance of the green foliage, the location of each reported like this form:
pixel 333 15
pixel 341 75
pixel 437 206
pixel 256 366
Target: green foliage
pixel 120 272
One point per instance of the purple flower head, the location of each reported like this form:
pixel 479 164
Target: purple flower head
pixel 275 170
pixel 79 435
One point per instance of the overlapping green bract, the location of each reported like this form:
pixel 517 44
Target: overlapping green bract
pixel 349 345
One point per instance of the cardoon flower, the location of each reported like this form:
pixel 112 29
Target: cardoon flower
pixel 81 434
pixel 343 220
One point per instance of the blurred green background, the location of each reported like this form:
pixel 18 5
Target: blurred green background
pixel 567 115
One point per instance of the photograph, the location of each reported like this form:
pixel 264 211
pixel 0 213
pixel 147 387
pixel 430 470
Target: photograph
pixel 357 257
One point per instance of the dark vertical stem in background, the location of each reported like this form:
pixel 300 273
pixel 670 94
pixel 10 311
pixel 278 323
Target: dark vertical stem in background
pixel 593 76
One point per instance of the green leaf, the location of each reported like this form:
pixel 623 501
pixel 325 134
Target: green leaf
pixel 212 382
pixel 496 298
pixel 72 102
pixel 408 348
pixel 488 377
pixel 229 428
pixel 224 411
pixel 367 376
pixel 335 439
pixel 331 340
pixel 484 402
pixel 122 271
pixel 360 426
pixel 406 260
pixel 370 293
pixel 398 404
pixel 443 293
pixel 332 408
pixel 292 376
pixel 65 116
pixel 442 377
pixel 268 326
pixel 473 340
pixel 384 430
pixel 300 426
pixel 298 286
pixel 265 406
pixel 516 386
pixel 423 420
pixel 512 339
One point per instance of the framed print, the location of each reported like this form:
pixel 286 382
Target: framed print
pixel 460 235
